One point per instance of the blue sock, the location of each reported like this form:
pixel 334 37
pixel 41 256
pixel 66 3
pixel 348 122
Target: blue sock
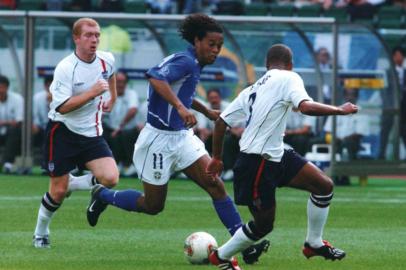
pixel 124 199
pixel 228 214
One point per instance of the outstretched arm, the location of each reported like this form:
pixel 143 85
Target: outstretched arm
pixel 165 91
pixel 215 165
pixel 211 114
pixel 316 108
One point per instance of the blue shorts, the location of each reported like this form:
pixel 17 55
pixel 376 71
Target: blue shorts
pixel 65 150
pixel 256 179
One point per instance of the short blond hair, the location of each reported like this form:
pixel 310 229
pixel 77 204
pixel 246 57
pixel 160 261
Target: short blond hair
pixel 77 26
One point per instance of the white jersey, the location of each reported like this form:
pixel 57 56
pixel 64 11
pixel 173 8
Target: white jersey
pixel 265 107
pixel 40 109
pixel 72 77
pixel 12 109
pixel 123 104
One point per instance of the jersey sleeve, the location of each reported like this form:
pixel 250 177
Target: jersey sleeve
pixel 296 92
pixel 173 68
pixel 235 113
pixel 61 87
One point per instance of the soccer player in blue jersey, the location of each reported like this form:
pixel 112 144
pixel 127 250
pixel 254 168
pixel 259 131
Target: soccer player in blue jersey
pixel 167 143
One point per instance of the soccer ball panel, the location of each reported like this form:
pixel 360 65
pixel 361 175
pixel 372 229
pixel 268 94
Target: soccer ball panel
pixel 198 246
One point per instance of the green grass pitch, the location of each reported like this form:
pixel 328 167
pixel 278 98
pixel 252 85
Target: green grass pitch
pixel 369 223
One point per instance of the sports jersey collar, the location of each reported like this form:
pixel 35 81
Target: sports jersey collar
pixel 192 50
pixel 95 56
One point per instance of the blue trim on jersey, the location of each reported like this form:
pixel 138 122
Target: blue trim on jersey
pixel 182 72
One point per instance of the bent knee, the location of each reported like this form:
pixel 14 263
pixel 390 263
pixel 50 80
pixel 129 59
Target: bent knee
pixel 265 229
pixel 327 186
pixel 154 210
pixel 58 193
pixel 108 179
pixel 215 189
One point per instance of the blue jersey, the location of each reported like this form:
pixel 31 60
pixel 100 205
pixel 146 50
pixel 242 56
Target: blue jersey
pixel 182 72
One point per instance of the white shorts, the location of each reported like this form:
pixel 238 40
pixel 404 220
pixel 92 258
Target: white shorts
pixel 160 153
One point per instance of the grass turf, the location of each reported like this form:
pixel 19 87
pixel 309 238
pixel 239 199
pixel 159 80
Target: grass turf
pixel 367 222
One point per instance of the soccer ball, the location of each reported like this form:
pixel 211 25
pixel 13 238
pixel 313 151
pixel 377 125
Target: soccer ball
pixel 198 246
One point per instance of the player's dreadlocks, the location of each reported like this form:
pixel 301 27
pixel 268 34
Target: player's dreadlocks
pixel 197 25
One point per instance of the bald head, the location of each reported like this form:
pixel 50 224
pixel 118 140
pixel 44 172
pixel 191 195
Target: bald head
pixel 279 56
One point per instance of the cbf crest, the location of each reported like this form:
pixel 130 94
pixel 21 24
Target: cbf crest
pixel 157 175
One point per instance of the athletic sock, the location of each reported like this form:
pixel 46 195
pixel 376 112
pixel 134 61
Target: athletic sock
pixel 228 214
pixel 84 182
pixel 46 211
pixel 317 213
pixel 237 243
pixel 124 199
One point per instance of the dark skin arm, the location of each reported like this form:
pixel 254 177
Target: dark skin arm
pixel 216 163
pixel 209 113
pixel 165 91
pixel 319 109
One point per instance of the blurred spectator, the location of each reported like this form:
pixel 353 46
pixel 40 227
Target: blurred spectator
pixel 120 126
pixel 160 6
pixel 229 7
pixel 40 104
pixel 205 129
pixel 324 60
pixel 399 3
pixel 349 129
pixel 141 117
pixel 363 9
pixel 53 5
pixel 191 6
pixel 299 131
pixel 387 118
pixel 81 5
pixel 11 116
pixel 9 4
pixel 204 126
pixel 327 4
pixel 111 6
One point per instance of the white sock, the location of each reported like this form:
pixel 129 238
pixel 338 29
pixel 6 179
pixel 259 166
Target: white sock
pixel 84 182
pixel 46 211
pixel 237 243
pixel 43 221
pixel 316 219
